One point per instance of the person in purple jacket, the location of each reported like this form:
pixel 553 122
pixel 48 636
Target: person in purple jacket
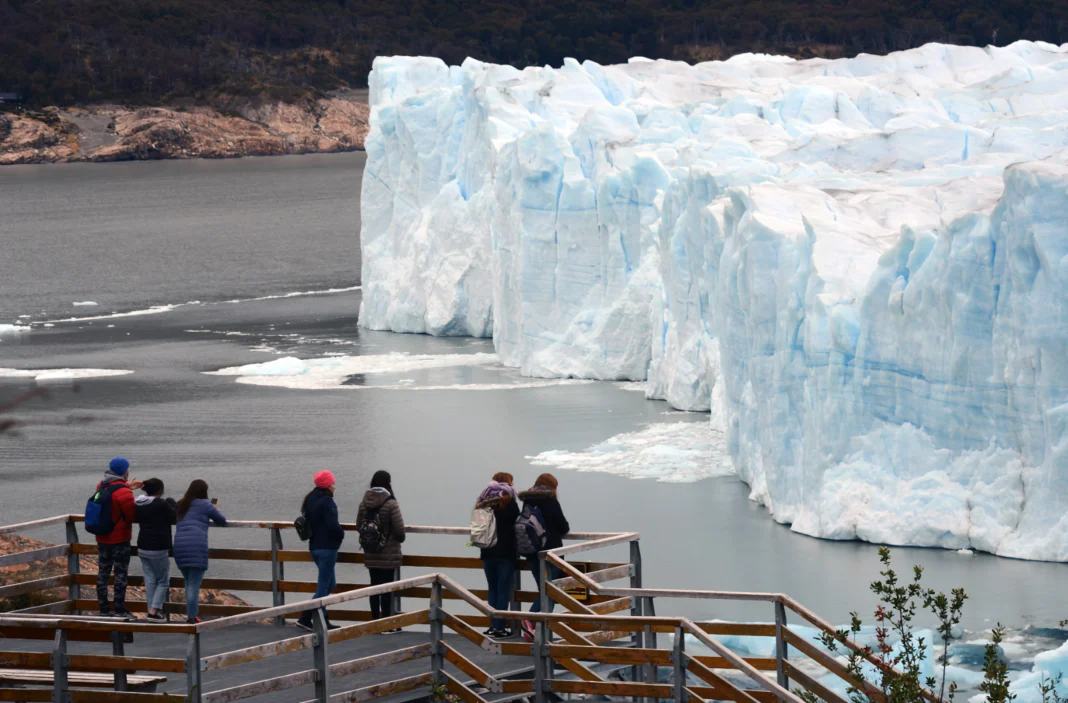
pixel 195 511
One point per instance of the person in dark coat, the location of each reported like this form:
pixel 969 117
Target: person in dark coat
pixel 380 504
pixel 195 511
pixel 498 561
pixel 155 515
pixel 542 495
pixel 326 536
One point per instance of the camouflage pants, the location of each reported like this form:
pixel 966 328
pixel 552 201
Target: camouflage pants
pixel 112 557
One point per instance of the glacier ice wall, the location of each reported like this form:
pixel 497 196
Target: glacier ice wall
pixel 860 266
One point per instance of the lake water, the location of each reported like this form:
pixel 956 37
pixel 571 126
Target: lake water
pixel 198 235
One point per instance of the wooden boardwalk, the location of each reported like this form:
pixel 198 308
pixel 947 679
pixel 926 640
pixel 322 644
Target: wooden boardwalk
pixel 242 653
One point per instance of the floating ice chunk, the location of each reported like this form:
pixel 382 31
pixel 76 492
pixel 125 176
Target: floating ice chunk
pixel 84 303
pixel 57 375
pixel 678 452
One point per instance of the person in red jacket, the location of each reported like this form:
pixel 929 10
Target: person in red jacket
pixel 113 549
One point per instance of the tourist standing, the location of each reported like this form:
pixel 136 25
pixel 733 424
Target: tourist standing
pixel 109 514
pixel 327 534
pixel 195 511
pixel 542 495
pixel 498 561
pixel 381 528
pixel 155 516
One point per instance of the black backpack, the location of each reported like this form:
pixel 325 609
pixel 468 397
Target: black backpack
pixel 98 520
pixel 372 533
pixel 301 524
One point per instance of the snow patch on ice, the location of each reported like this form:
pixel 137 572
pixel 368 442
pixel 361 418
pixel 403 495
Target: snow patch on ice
pixel 677 452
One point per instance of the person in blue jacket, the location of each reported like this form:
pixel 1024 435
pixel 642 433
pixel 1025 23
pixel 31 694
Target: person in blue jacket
pixel 327 534
pixel 195 511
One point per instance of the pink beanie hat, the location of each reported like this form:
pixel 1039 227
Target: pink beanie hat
pixel 324 479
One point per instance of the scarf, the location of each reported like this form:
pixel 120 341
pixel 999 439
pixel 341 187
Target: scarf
pixel 496 490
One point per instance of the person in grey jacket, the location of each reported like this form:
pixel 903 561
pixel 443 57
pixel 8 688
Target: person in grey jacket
pixel 380 504
pixel 191 542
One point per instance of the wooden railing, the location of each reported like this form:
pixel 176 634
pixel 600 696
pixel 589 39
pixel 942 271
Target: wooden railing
pixel 594 630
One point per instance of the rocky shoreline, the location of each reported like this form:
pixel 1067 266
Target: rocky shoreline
pixel 115 133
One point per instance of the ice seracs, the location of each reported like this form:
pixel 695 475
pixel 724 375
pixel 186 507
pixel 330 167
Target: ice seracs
pixel 859 266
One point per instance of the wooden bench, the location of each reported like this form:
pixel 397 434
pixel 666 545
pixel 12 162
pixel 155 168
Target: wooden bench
pixel 42 677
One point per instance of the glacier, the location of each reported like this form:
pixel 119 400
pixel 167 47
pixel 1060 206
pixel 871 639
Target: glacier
pixel 858 267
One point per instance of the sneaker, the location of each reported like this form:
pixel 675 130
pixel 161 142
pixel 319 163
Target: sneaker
pixel 393 631
pixel 193 621
pixel 305 625
pixel 489 632
pixel 158 617
pixel 104 614
pixel 123 615
pixel 528 630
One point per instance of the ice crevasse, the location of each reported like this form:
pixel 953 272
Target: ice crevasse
pixel 859 266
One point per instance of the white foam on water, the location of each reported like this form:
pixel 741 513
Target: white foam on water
pixel 84 303
pixel 632 386
pixel 677 452
pixel 41 375
pixel 11 330
pixel 157 309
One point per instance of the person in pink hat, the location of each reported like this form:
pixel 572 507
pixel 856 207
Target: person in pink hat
pixel 326 536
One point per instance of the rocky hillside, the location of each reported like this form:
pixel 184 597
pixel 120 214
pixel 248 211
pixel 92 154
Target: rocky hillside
pixel 114 133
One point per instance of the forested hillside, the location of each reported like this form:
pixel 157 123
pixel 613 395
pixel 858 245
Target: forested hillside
pixel 150 51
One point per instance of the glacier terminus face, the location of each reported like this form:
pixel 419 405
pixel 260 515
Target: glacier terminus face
pixel 859 267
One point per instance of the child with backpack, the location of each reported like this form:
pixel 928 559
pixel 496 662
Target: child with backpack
pixel 381 529
pixel 493 531
pixel 109 514
pixel 541 526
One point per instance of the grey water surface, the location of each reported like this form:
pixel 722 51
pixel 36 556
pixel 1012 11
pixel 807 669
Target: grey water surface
pixel 130 236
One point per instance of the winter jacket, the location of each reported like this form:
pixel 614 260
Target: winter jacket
pixel 556 526
pixel 505 519
pixel 155 517
pixel 321 511
pixel 123 511
pixel 191 537
pixel 391 520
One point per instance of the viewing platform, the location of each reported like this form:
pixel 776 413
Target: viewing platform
pixel 604 642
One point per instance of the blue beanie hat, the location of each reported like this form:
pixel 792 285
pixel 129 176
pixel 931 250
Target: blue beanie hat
pixel 119 466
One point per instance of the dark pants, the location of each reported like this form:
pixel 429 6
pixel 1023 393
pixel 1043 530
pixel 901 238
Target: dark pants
pixel 554 573
pixel 381 606
pixel 499 574
pixel 112 557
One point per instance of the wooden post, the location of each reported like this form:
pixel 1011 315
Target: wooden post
pixel 74 590
pixel 678 659
pixel 543 595
pixel 437 650
pixel 541 676
pixel 193 687
pixel 638 638
pixel 59 667
pixel 278 574
pixel 319 655
pixel 118 650
pixel 780 646
pixel 395 596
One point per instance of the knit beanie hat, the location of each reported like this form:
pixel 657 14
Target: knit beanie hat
pixel 324 479
pixel 119 466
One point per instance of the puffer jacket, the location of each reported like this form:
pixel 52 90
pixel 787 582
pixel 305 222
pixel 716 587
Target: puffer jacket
pixel 556 526
pixel 191 537
pixel 391 520
pixel 321 511
pixel 505 519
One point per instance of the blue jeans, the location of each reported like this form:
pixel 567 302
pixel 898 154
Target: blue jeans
pixel 325 560
pixel 499 574
pixel 554 573
pixel 157 580
pixel 193 578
